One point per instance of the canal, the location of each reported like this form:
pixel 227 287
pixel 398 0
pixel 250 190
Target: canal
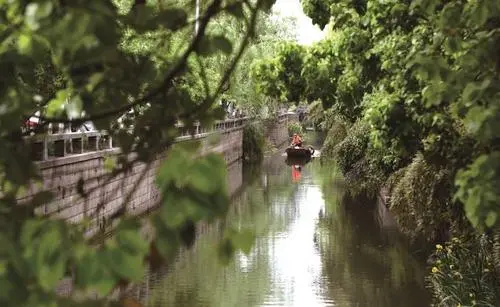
pixel 315 246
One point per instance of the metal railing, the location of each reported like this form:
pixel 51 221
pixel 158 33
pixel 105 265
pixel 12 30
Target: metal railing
pixel 56 145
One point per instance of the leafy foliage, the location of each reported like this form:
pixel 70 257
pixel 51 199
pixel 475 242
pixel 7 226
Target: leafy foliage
pixel 463 273
pixel 134 68
pixel 421 74
pixel 422 77
pixel 280 77
pixel 429 212
pixel 253 143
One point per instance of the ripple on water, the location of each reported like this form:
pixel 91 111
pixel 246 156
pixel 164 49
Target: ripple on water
pixel 300 258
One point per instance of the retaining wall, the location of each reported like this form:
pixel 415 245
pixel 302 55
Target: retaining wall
pixel 105 196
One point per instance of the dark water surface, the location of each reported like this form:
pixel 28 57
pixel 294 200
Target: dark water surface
pixel 315 247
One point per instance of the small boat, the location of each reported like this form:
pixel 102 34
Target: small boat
pixel 300 152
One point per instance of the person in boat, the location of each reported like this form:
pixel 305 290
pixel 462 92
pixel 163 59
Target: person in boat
pixel 296 140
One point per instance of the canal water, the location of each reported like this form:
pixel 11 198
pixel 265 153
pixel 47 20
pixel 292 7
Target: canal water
pixel 315 246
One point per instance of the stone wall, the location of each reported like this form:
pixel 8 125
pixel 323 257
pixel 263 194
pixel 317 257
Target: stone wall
pixel 277 129
pixel 106 195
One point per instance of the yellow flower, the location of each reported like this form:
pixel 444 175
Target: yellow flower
pixel 434 270
pixel 439 246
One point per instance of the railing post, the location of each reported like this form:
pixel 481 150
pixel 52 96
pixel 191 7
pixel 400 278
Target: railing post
pixel 70 141
pixel 45 153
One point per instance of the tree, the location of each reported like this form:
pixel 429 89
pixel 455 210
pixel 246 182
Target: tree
pixel 136 61
pixel 414 71
pixel 417 83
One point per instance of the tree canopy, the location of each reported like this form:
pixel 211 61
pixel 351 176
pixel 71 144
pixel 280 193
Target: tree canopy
pixel 134 68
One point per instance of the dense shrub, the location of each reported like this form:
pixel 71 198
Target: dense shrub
pixel 253 143
pixel 367 175
pixel 463 273
pixel 421 199
pixel 352 148
pixel 361 164
pixel 335 135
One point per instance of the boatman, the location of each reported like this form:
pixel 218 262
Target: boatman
pixel 296 140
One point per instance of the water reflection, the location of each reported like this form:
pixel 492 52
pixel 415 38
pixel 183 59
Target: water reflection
pixel 315 247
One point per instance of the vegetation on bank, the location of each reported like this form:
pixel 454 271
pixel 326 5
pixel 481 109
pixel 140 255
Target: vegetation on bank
pixel 409 94
pixel 254 143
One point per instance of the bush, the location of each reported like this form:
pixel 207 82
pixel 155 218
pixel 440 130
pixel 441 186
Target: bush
pixel 253 143
pixel 360 164
pixel 335 135
pixel 352 148
pixel 294 127
pixel 463 273
pixel 421 200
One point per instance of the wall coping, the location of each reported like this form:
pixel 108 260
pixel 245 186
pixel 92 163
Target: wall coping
pixel 86 156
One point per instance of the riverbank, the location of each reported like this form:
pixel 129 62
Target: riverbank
pixel 463 263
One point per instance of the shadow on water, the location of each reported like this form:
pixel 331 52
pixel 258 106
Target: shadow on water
pixel 315 246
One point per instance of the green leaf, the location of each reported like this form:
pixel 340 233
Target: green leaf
pixel 173 216
pixel 132 241
pixel 50 274
pixel 212 44
pixel 204 177
pixel 450 16
pixel 94 80
pixel 126 265
pixel 491 219
pixel 74 107
pixel 142 17
pixel 453 44
pixel 104 284
pixel 55 107
pixel 236 9
pixel 30 229
pixel 173 18
pixel 36 11
pixel 480 14
pixel 109 163
pixel 167 241
pixel 3 267
pixel 86 270
pixel 223 44
pixel 474 90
